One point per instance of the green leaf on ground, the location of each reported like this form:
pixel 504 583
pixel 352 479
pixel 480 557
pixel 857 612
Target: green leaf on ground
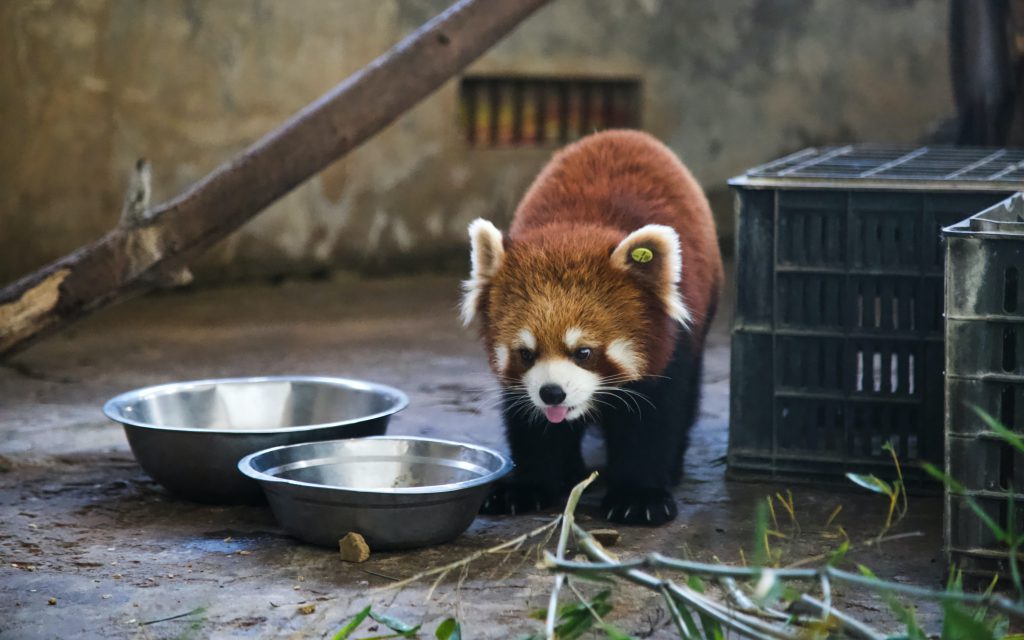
pixel 353 624
pixel 449 629
pixel 394 624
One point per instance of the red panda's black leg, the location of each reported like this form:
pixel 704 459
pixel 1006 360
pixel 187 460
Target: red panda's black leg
pixel 640 468
pixel 646 443
pixel 547 456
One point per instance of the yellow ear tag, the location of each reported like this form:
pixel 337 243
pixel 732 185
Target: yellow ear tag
pixel 641 254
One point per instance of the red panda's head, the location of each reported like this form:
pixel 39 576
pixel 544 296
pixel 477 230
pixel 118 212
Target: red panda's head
pixel 570 312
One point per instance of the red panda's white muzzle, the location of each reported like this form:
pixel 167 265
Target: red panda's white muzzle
pixel 578 384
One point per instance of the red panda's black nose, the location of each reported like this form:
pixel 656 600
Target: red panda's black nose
pixel 552 394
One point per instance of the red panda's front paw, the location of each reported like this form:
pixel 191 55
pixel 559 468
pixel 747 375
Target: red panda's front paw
pixel 517 497
pixel 650 507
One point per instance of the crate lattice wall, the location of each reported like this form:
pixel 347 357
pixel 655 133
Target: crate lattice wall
pixel 838 336
pixel 984 369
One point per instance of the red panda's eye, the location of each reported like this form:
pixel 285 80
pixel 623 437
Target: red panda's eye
pixel 581 354
pixel 527 355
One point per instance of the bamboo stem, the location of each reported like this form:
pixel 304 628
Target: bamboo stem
pixel 658 561
pixel 734 620
pixel 568 520
pixel 476 555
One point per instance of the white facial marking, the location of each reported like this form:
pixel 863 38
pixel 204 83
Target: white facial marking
pixel 501 357
pixel 677 309
pixel 573 336
pixel 578 383
pixel 622 352
pixel 527 340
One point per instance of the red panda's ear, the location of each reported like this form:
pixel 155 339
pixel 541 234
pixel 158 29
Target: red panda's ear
pixel 652 253
pixel 487 252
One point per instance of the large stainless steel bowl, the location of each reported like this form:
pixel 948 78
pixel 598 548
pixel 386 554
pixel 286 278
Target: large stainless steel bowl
pixel 189 436
pixel 397 492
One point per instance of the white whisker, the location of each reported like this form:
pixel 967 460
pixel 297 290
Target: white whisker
pixel 615 396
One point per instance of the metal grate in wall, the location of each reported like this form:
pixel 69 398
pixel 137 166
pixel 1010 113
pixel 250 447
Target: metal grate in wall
pixel 517 111
pixel 997 168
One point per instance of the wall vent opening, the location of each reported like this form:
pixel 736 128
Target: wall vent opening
pixel 523 111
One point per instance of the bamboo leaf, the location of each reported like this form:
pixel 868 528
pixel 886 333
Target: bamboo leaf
pixel 759 556
pixel 903 613
pixel 712 630
pixel 839 554
pixel 353 624
pixel 566 610
pixel 767 589
pixel 789 506
pixel 1013 539
pixel 574 627
pixel 957 624
pixel 685 624
pixel 1010 437
pixel 614 632
pixel 900 484
pixel 595 578
pixel 696 584
pixel 771 511
pixel 576 618
pixel 956 487
pixel 598 609
pixel 872 483
pixel 449 629
pixel 832 516
pixel 955 582
pixel 394 624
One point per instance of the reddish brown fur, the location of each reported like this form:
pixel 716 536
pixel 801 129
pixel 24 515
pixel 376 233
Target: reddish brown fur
pixel 556 271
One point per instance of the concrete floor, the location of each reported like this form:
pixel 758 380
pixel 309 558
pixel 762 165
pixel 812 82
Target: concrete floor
pixel 83 524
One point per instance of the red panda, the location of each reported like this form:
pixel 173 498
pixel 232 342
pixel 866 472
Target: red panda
pixel 594 310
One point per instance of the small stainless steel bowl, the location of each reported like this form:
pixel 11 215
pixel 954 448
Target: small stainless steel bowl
pixel 397 492
pixel 189 436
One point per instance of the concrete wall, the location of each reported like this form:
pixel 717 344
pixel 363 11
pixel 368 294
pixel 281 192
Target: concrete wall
pixel 86 86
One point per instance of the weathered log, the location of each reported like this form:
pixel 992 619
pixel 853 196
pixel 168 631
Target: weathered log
pixel 132 257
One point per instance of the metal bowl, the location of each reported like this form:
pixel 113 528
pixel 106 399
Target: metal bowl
pixel 397 492
pixel 189 436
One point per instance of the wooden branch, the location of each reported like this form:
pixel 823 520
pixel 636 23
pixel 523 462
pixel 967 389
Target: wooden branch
pixel 130 258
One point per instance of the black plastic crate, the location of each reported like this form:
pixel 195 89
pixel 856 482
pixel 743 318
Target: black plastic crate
pixel 838 337
pixel 985 369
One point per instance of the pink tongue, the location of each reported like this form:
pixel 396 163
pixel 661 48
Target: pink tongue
pixel 556 414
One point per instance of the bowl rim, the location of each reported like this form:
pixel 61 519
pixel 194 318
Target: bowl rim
pixel 113 408
pixel 245 466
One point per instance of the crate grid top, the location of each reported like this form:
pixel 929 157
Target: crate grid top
pixel 866 166
pixel 1004 220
